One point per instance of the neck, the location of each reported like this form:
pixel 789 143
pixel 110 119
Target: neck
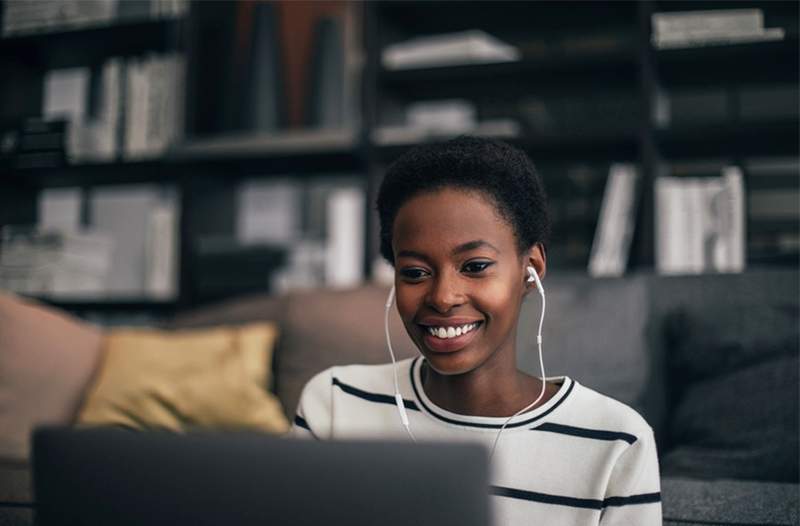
pixel 495 389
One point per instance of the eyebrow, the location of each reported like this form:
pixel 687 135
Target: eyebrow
pixel 472 245
pixel 464 247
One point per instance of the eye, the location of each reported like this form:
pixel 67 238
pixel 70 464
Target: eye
pixel 413 273
pixel 476 267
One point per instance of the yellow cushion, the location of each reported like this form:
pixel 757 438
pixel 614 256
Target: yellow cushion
pixel 181 380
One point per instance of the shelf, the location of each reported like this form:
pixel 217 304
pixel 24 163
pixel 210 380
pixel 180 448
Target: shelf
pixel 757 225
pixel 509 79
pixel 530 69
pixel 754 63
pixel 303 153
pixel 240 146
pixel 505 16
pixel 743 140
pixel 91 30
pixel 77 47
pixel 773 259
pixel 620 148
pixel 298 153
pixel 92 174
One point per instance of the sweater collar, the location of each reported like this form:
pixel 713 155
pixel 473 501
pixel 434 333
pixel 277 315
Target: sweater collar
pixel 524 420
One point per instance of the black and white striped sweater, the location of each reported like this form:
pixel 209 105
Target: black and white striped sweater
pixel 581 458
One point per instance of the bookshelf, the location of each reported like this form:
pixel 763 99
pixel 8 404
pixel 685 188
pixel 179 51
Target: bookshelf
pixel 580 97
pixel 744 97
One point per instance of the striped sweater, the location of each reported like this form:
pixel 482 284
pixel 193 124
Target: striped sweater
pixel 581 458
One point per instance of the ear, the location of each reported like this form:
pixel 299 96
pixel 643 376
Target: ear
pixel 535 257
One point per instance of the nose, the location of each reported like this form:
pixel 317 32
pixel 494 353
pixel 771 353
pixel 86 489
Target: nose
pixel 444 293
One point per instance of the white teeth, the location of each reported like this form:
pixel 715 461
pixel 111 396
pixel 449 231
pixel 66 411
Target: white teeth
pixel 451 332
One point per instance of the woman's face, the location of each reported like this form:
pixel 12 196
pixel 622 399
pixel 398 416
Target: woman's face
pixel 459 277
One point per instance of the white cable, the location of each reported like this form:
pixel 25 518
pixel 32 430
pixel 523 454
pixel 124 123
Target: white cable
pixel 398 398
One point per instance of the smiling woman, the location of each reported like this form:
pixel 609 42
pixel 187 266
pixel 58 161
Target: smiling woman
pixel 463 222
pixel 457 264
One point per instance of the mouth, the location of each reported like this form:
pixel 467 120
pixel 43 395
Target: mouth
pixel 449 338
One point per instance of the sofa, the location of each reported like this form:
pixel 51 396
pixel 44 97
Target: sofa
pixel 710 361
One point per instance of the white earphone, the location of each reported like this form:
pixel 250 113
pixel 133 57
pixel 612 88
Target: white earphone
pixel 533 277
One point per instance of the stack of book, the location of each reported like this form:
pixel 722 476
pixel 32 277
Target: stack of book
pixel 23 17
pixel 122 242
pixel 127 108
pixel 700 223
pixel 686 29
pixel 318 224
pixel 154 90
pixel 54 263
pixel 452 49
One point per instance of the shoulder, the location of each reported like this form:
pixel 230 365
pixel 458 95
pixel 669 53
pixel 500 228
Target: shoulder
pixel 595 410
pixel 368 378
pixel 332 401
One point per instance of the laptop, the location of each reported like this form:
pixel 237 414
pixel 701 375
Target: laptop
pixel 103 476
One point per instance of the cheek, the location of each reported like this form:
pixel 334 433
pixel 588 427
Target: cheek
pixel 407 299
pixel 501 301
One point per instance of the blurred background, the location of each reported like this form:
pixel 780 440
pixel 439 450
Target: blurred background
pixel 196 179
pixel 162 154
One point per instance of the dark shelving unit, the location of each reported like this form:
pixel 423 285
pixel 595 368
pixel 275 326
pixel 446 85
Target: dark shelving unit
pixel 589 52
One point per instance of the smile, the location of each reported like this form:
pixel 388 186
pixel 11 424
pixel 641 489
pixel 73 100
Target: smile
pixel 451 332
pixel 450 338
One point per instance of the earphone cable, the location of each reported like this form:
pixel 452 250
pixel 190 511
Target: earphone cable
pixel 398 397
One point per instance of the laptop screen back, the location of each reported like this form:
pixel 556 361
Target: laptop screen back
pixel 112 476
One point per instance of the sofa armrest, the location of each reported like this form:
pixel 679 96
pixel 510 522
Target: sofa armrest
pixel 726 501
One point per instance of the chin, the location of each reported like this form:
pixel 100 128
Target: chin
pixel 453 363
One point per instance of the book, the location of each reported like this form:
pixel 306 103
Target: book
pixel 451 49
pixel 60 209
pixel 125 213
pixel 25 17
pixel 442 116
pixel 406 135
pixel 611 246
pixel 161 251
pixel 268 212
pixel 326 107
pixel 83 265
pixel 56 263
pixel 683 29
pixel 39 144
pixel 154 118
pixel 344 253
pixel 700 223
pixel 21 17
pixel 262 109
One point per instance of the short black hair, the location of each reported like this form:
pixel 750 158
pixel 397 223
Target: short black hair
pixel 497 169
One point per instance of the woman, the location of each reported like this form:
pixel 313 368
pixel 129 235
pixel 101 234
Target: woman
pixel 465 223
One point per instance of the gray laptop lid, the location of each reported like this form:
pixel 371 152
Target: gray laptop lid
pixel 107 476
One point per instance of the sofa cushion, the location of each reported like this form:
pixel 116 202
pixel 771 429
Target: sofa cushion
pixel 47 359
pixel 729 502
pixel 595 331
pixel 235 311
pixel 194 378
pixel 326 328
pixel 735 378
